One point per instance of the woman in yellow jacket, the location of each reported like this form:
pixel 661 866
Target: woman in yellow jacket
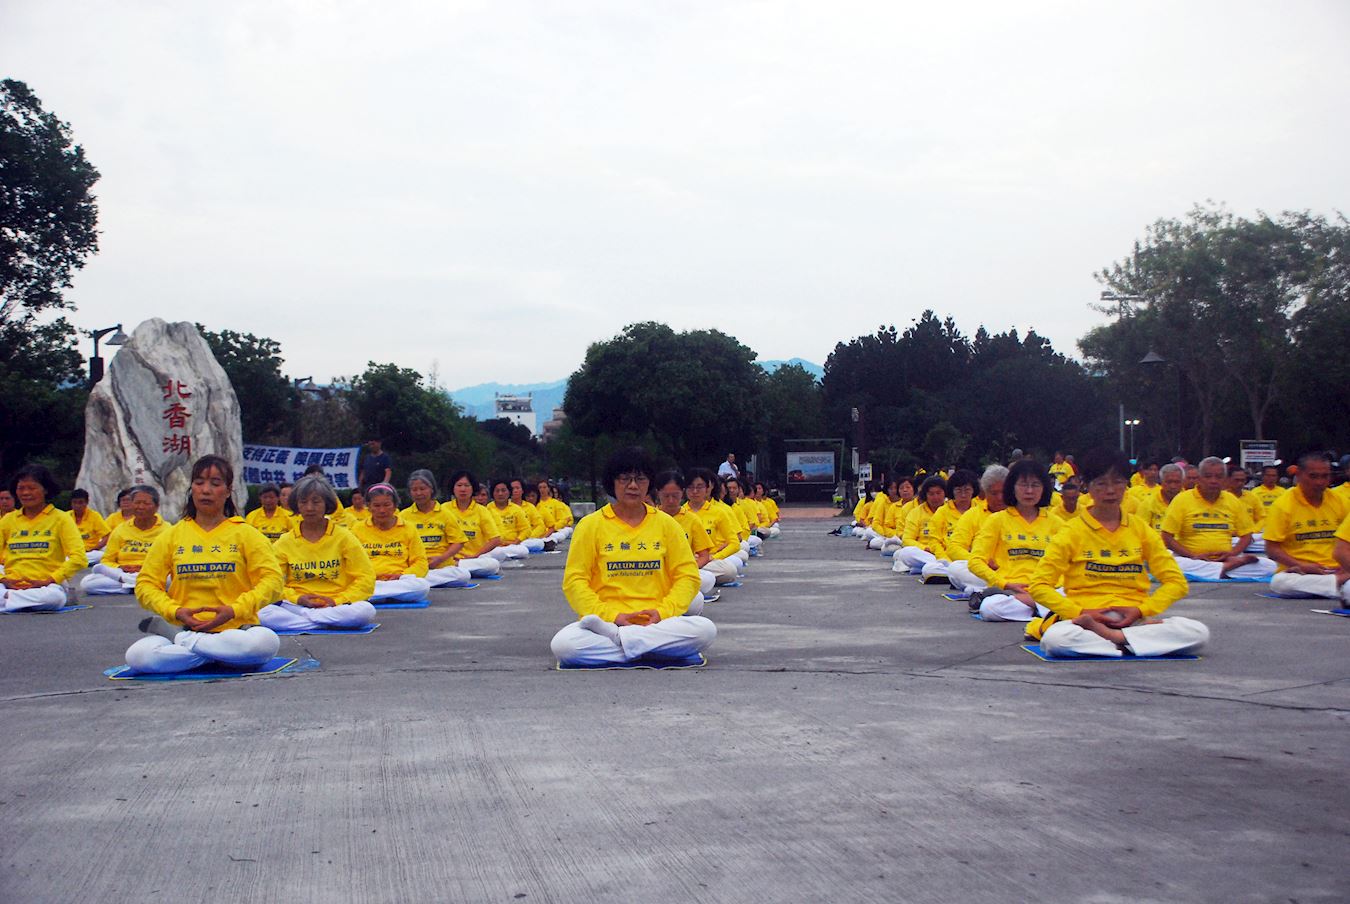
pixel 745 512
pixel 513 523
pixel 631 576
pixel 481 532
pixel 536 535
pixel 1011 543
pixel 668 491
pixel 962 490
pixel 770 510
pixel 395 549
pixel 329 577
pixel 40 545
pixel 219 573
pixel 718 524
pixel 269 518
pixel 94 530
pixel 920 546
pixel 439 530
pixel 128 546
pixel 557 514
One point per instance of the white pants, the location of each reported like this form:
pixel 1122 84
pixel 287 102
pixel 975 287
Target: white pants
pixel 107 580
pixel 774 531
pixel 695 605
pixel 739 561
pixel 1258 544
pixel 706 580
pixel 962 578
pixel 880 542
pixel 907 558
pixel 859 531
pixel 439 577
pixel 1173 635
pixel 480 567
pixel 514 551
pixel 723 570
pixel 1323 585
pixel 94 556
pixel 158 655
pixel 1262 568
pixel 53 596
pixel 1006 607
pixel 293 617
pixel 407 589
pixel 560 534
pixel 676 637
pixel 936 569
pixel 533 544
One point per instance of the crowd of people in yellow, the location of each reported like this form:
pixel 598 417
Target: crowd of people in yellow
pixel 1073 551
pixel 221 585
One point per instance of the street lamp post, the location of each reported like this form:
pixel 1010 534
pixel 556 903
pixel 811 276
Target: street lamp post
pixel 1153 359
pixel 1132 423
pixel 96 363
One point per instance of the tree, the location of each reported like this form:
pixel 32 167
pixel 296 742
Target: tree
pixel 268 402
pixel 48 227
pixel 790 406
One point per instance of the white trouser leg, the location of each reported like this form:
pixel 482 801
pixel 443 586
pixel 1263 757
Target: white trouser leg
pixel 53 596
pixel 774 532
pixel 936 569
pixel 499 553
pixel 1006 607
pixel 292 617
pixel 754 542
pixel 1261 569
pixel 868 534
pixel 1199 568
pixel 1323 585
pixel 722 570
pixel 876 542
pixel 481 567
pixel 706 580
pixel 683 635
pixel 1067 639
pixel 407 589
pixel 695 605
pixel 106 580
pixel 1258 544
pixel 94 556
pixel 155 655
pixel 908 558
pixel 1172 635
pixel 159 655
pixel 859 531
pixel 962 578
pixel 533 544
pixel 439 577
pixel 739 561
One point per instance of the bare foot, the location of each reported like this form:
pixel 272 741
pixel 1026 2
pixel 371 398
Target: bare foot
pixel 1236 562
pixel 1115 635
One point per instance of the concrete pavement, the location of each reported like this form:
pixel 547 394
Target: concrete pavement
pixel 855 738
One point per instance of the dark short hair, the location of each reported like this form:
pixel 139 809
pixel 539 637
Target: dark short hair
pixel 704 474
pixel 268 488
pixel 38 474
pixel 963 478
pixel 1102 461
pixel 1311 456
pixel 1149 461
pixel 905 478
pixel 1265 468
pixel 200 467
pixel 122 494
pixel 929 483
pixel 668 476
pixel 1028 467
pixel 313 469
pixel 632 460
pixel 462 474
pixel 78 493
pixel 492 485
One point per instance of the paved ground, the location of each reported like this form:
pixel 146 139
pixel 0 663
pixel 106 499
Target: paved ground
pixel 855 738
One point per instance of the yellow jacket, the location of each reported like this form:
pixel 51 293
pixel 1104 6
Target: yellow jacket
pixel 397 550
pixel 699 540
pixel 556 513
pixel 1012 546
pixel 272 528
pixel 770 508
pixel 1100 568
pixel 1303 530
pixel 129 545
pixel 511 518
pixel 47 547
pixel 438 529
pixel 538 529
pixel 92 528
pixel 860 511
pixel 232 564
pixel 351 516
pixel 478 526
pixel 967 528
pixel 1152 508
pixel 943 524
pixel 719 526
pixel 918 530
pixel 738 518
pixel 336 566
pixel 614 568
pixel 1203 527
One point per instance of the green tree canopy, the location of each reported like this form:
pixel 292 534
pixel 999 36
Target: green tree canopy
pixel 268 401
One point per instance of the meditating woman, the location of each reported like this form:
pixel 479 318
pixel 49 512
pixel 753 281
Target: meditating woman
pixel 746 513
pixel 921 546
pixel 480 529
pixel 40 545
pixel 123 512
pixel 357 511
pixel 557 514
pixel 128 546
pixel 1103 559
pixel 963 489
pixel 1012 543
pixel 770 509
pixel 668 488
pixel 968 526
pixel 717 523
pixel 93 529
pixel 537 533
pixel 395 550
pixel 329 577
pixel 269 518
pixel 218 572
pixel 512 521
pixel 439 530
pixel 631 576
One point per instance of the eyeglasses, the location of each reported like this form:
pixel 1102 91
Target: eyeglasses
pixel 638 479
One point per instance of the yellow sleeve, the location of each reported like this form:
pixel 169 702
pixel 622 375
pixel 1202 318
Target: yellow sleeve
pixel 1163 565
pixel 576 582
pixel 982 551
pixel 73 546
pixel 111 550
pixel 289 592
pixel 154 573
pixel 1174 519
pixel 417 555
pixel 1050 574
pixel 684 579
pixel 911 532
pixel 357 569
pixel 724 530
pixel 1243 523
pixel 263 572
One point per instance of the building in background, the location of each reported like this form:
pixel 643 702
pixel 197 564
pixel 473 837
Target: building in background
pixel 554 424
pixel 518 409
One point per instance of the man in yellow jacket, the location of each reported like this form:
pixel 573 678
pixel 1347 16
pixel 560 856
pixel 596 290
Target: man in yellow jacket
pixel 1301 534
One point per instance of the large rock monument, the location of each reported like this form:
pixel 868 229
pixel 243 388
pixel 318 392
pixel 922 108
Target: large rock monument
pixel 164 403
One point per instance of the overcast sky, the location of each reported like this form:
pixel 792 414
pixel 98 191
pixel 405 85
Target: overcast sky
pixel 491 186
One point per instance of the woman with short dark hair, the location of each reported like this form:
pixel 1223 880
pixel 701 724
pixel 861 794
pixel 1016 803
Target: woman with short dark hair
pixel 39 545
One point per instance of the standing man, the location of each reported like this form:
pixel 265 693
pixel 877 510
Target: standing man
pixel 376 466
pixel 728 468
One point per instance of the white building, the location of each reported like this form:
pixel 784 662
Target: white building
pixel 517 409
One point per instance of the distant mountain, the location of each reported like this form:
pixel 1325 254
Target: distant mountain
pixel 814 370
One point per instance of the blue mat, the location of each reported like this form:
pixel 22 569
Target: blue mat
pixel 731 584
pixel 646 662
pixel 1035 650
pixel 45 611
pixel 455 585
pixel 956 597
pixel 887 553
pixel 420 604
pixel 1343 613
pixel 1292 596
pixel 364 629
pixel 1228 580
pixel 204 672
pixel 489 577
pixel 977 616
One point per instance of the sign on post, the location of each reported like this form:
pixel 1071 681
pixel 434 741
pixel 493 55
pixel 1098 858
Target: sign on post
pixel 1258 452
pixel 286 464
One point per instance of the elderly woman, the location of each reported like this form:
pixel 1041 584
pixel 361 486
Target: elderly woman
pixel 631 576
pixel 961 540
pixel 218 572
pixel 1012 543
pixel 128 546
pixel 40 545
pixel 329 577
pixel 963 489
pixel 439 529
pixel 395 549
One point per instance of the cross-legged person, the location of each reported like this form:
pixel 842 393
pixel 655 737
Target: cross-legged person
pixel 718 524
pixel 1011 544
pixel 1102 559
pixel 513 523
pixel 481 532
pixel 438 528
pixel 963 489
pixel 1301 534
pixel 630 576
pixel 329 577
pixel 93 529
pixel 536 537
pixel 1208 530
pixel 557 515
pixel 921 546
pixel 959 575
pixel 668 490
pixel 204 579
pixel 40 545
pixel 128 546
pixel 395 550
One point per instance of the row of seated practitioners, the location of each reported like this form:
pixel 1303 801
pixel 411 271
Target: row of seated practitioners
pixel 641 568
pixel 219 585
pixel 1075 564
